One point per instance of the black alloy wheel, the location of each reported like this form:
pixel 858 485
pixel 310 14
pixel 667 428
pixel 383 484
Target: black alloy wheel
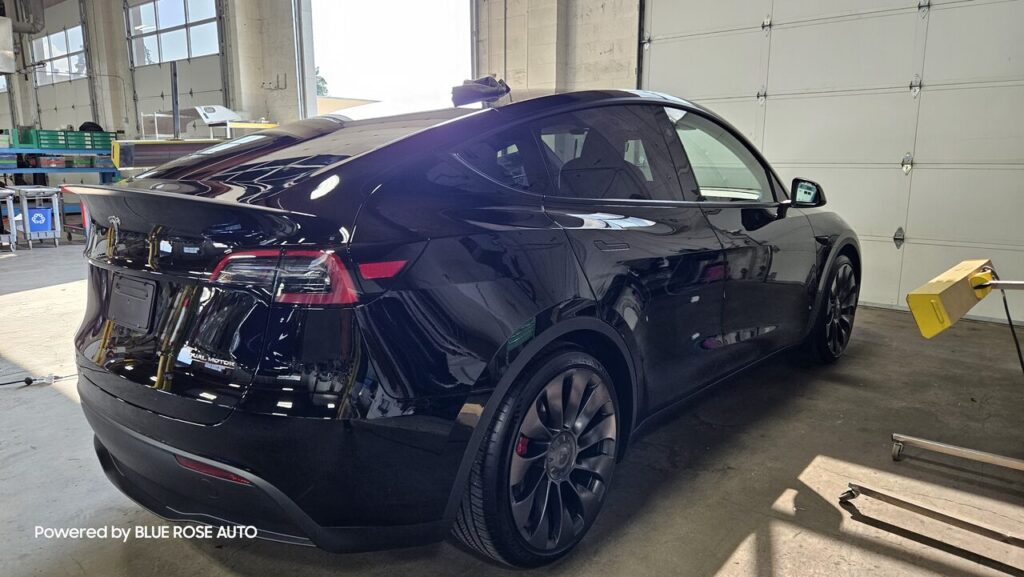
pixel 832 336
pixel 563 459
pixel 546 465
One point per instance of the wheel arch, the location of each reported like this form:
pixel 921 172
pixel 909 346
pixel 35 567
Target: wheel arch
pixel 838 245
pixel 589 334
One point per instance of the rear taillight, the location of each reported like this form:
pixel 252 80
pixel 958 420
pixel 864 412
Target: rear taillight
pixel 311 277
pixel 307 277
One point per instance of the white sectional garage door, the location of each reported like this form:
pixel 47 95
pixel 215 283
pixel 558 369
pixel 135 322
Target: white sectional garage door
pixel 828 90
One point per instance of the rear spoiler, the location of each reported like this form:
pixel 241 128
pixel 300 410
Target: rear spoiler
pixel 190 215
pixel 108 190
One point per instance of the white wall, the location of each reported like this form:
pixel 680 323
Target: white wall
pixel 838 109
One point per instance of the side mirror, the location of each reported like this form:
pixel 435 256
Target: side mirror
pixel 807 193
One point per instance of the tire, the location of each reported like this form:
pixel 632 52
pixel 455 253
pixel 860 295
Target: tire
pixel 529 467
pixel 834 326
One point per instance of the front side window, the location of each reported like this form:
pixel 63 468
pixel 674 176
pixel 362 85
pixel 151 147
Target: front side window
pixel 609 152
pixel 725 169
pixel 59 56
pixel 167 30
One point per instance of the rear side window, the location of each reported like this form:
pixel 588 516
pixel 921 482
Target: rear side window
pixel 509 158
pixel 609 152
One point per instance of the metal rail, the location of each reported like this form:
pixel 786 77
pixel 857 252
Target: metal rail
pixel 858 490
pixel 900 441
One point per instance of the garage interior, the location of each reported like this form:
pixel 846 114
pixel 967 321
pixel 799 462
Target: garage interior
pixel 906 111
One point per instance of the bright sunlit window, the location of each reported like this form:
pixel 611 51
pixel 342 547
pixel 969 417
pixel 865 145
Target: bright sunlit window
pixel 166 30
pixel 59 57
pixel 404 54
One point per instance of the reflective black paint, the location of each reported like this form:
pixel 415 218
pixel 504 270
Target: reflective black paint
pixel 364 420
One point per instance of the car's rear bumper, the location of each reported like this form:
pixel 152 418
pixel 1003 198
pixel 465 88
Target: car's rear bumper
pixel 146 470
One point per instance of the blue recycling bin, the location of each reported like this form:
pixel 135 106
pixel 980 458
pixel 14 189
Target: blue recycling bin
pixel 40 219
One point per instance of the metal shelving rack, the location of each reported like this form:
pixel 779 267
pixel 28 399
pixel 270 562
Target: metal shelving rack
pixel 107 173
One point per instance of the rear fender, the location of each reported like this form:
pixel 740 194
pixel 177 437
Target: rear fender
pixel 479 411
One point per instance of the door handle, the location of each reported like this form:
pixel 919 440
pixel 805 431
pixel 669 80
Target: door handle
pixel 611 246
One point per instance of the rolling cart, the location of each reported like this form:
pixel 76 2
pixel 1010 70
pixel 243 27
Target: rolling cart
pixel 937 306
pixel 10 237
pixel 39 197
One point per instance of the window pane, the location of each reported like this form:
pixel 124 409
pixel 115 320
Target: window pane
pixel 725 169
pixel 142 19
pixel 615 152
pixel 170 13
pixel 58 44
pixel 508 158
pixel 79 67
pixel 145 50
pixel 204 39
pixel 40 49
pixel 75 43
pixel 173 46
pixel 61 70
pixel 201 10
pixel 565 144
pixel 3 83
pixel 43 74
pixel 637 156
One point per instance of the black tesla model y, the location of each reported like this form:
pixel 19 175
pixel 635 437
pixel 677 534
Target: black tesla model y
pixel 363 334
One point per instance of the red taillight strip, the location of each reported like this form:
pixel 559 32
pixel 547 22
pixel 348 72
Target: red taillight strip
pixel 210 470
pixel 241 254
pixel 343 290
pixel 385 269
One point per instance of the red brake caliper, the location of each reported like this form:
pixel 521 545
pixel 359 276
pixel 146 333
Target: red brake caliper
pixel 522 445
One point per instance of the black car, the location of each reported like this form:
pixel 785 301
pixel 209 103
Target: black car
pixel 369 334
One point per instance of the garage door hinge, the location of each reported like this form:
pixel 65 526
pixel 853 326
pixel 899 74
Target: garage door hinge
pixel 923 6
pixel 766 24
pixel 908 163
pixel 761 95
pixel 646 42
pixel 915 85
pixel 899 237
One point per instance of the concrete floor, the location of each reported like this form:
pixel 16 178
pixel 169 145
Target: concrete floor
pixel 742 482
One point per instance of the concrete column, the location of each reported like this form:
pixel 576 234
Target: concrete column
pixel 541 46
pixel 261 57
pixel 21 85
pixel 522 41
pixel 108 65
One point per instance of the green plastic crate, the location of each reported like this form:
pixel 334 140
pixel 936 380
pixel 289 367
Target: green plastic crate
pixel 89 140
pixel 76 139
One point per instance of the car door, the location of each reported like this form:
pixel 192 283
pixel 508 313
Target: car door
pixel 652 259
pixel 769 247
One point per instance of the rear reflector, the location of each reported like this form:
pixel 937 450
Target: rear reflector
pixel 378 270
pixel 210 470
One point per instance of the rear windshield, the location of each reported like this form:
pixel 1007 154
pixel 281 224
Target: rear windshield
pixel 295 150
